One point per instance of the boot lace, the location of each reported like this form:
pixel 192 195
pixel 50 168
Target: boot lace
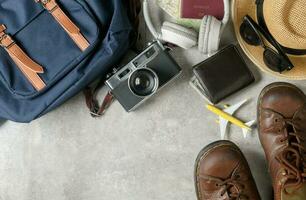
pixel 293 157
pixel 231 187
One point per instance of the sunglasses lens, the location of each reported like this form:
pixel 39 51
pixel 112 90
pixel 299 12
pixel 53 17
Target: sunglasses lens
pixel 249 35
pixel 274 61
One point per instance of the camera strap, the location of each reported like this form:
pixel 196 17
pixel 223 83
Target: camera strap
pixel 90 93
pixel 97 110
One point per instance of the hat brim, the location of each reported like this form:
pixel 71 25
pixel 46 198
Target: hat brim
pixel 240 8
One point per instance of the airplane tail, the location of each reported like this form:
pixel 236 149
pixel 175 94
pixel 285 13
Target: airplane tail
pixel 249 124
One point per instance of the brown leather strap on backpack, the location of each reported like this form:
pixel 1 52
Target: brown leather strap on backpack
pixel 29 68
pixel 72 30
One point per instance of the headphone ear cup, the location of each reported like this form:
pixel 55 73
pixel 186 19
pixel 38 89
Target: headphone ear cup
pixel 179 35
pixel 209 36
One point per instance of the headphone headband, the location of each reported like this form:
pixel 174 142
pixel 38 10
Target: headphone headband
pixel 226 12
pixel 146 13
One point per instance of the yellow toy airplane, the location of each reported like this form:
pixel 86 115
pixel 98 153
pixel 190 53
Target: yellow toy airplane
pixel 225 116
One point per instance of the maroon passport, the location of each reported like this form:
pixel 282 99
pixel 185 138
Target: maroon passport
pixel 197 9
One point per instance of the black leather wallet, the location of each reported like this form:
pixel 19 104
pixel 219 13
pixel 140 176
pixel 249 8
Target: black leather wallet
pixel 222 75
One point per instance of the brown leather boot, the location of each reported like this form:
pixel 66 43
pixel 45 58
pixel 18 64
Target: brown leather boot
pixel 282 132
pixel 222 173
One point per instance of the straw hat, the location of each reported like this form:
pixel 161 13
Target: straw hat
pixel 286 21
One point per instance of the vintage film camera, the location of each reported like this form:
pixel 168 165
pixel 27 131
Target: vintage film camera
pixel 143 76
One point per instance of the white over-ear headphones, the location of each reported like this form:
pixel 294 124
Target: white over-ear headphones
pixel 209 37
pixel 211 30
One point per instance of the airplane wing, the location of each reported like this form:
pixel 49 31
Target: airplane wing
pixel 232 109
pixel 224 123
pixel 223 127
pixel 249 124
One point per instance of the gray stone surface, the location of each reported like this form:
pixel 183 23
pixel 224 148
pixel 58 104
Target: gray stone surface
pixel 148 154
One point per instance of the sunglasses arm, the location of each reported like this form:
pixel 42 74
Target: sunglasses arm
pixel 270 39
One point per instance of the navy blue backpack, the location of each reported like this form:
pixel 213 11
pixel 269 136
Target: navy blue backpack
pixel 52 49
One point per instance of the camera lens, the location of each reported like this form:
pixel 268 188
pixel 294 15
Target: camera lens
pixel 143 82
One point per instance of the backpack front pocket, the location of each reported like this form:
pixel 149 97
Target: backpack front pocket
pixel 56 43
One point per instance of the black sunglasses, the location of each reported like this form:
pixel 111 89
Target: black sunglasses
pixel 252 34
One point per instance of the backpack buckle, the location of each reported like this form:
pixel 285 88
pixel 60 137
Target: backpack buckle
pixel 2 28
pixel 2 33
pixel 5 40
pixel 49 5
pixel 43 2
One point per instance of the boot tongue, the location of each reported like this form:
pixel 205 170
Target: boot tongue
pixel 233 183
pixel 226 196
pixel 233 190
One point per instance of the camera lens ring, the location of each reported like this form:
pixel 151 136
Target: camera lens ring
pixel 143 82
